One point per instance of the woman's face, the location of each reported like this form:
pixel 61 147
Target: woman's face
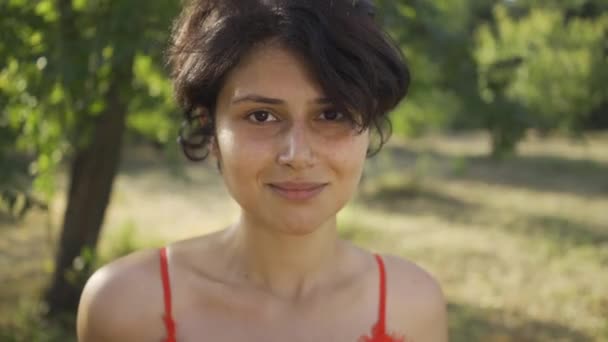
pixel 288 158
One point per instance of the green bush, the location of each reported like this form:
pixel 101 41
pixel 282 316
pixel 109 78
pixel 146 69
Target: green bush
pixel 542 70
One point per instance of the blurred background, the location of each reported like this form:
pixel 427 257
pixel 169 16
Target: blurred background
pixel 496 179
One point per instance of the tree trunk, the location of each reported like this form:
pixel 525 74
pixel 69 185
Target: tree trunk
pixel 92 174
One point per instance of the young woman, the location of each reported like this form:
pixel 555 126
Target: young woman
pixel 289 97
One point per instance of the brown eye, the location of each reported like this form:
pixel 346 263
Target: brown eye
pixel 261 117
pixel 332 115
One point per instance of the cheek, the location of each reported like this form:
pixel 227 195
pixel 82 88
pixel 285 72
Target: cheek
pixel 234 148
pixel 354 151
pixel 237 164
pixel 349 155
pixel 241 157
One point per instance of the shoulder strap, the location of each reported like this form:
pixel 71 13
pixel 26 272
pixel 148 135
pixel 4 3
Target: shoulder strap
pixel 380 325
pixel 168 316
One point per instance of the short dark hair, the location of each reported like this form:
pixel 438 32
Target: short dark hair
pixel 355 62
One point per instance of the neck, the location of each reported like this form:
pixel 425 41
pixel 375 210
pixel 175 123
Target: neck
pixel 286 265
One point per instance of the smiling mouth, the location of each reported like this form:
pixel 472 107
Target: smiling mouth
pixel 297 191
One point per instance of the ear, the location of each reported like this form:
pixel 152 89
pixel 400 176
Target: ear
pixel 203 115
pixel 214 148
pixel 215 152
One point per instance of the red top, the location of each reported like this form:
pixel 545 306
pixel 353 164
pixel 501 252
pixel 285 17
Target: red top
pixel 378 330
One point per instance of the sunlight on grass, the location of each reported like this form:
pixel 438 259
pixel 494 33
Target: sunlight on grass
pixel 520 247
pixel 125 239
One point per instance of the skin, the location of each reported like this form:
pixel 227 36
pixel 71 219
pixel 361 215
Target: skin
pixel 281 272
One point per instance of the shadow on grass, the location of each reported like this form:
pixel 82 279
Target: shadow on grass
pixel 582 177
pixel 412 199
pixel 559 230
pixel 471 324
pixel 7 221
pixel 416 200
pixel 544 173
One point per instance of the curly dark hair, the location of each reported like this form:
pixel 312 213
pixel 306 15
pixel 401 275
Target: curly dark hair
pixel 355 62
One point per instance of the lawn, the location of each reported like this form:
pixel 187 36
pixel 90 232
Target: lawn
pixel 520 246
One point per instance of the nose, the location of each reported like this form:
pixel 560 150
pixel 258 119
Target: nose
pixel 297 151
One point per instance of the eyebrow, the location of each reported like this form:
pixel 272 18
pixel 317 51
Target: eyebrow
pixel 271 101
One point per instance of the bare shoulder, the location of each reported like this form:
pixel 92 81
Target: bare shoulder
pixel 415 302
pixel 122 301
pixel 414 282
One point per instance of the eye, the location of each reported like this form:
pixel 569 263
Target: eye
pixel 332 115
pixel 261 116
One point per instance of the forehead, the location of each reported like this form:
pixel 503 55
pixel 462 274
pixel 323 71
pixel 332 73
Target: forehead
pixel 272 70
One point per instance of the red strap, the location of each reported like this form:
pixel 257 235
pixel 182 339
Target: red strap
pixel 380 326
pixel 168 316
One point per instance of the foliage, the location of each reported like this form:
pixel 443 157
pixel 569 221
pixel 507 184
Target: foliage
pixel 150 109
pixel 493 65
pixel 54 77
pixel 548 69
pixel 436 40
pixel 67 80
pixel 52 86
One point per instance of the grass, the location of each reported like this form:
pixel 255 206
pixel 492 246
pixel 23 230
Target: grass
pixel 519 246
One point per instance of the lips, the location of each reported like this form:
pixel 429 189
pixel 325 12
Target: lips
pixel 297 190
